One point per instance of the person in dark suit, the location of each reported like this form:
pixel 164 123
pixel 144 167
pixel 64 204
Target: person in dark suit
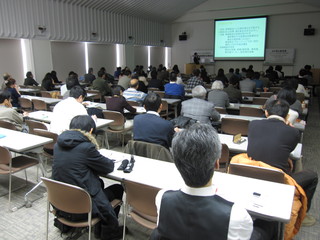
pixel 272 140
pixel 150 127
pixel 196 58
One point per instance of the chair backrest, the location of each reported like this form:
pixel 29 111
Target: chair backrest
pixel 248 94
pixel 149 150
pixel 259 100
pixel 46 94
pixel 234 126
pixel 257 172
pixel 165 109
pixel 160 93
pixel 39 105
pixel 250 111
pixel 133 103
pixel 5 157
pixel 97 96
pixel 224 159
pixel 8 125
pixel 151 89
pixel 66 197
pixel 141 198
pixel 35 124
pixel 275 90
pixel 300 97
pixel 117 117
pixel 266 94
pixel 47 134
pixel 221 110
pixel 25 103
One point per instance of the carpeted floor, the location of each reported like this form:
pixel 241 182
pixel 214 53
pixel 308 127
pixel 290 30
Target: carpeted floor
pixel 29 223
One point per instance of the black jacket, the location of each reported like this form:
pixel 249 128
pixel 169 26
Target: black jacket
pixel 78 162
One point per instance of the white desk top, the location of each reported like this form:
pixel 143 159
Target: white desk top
pixel 46 116
pixel 46 100
pixel 20 142
pixel 297 125
pixel 29 90
pixel 242 147
pixel 171 100
pixel 234 188
pixel 236 106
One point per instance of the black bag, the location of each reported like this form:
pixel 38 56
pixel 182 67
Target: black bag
pixel 183 122
pixel 63 228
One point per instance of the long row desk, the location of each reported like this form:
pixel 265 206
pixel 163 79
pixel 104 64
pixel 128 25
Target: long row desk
pixel 274 202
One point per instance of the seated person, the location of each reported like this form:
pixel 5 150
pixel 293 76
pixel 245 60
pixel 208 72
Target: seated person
pixel 78 147
pixel 172 89
pixel 13 88
pixel 150 127
pixel 132 94
pixel 155 82
pixel 235 95
pixel 271 141
pixel 67 109
pixel 70 83
pixel 7 113
pixel 101 84
pixel 247 85
pixel 257 80
pixel 195 80
pixel 199 109
pixel 47 83
pixel 217 96
pixel 29 81
pixel 195 211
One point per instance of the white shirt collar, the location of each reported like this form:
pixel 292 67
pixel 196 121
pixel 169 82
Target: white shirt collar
pixel 154 113
pixel 276 117
pixel 204 191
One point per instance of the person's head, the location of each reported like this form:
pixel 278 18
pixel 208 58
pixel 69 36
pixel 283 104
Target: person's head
pixel 6 76
pixel 71 73
pixel 278 68
pixel 101 74
pixel 53 73
pixel 90 70
pixel 234 80
pixel 10 83
pixel 278 107
pixel 116 90
pixel 307 67
pixel 78 93
pixel 220 72
pixel 288 94
pixel 231 70
pixel 118 68
pixel 293 82
pixel 243 69
pixel 5 98
pixel 256 75
pixel 134 83
pixel 237 71
pixel 196 72
pixel 249 74
pixel 196 151
pixel 71 82
pixel 154 74
pixel 175 67
pixel 199 92
pixel 103 69
pixel 302 72
pixel 262 74
pixel 84 123
pixel 29 75
pixel 173 77
pixel 127 72
pixel 48 76
pixel 218 85
pixel 152 102
pixel 196 54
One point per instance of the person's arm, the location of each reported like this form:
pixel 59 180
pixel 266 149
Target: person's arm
pixel 215 115
pixel 16 117
pixel 34 82
pixel 127 106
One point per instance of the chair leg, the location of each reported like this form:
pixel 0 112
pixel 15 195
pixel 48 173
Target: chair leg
pixel 10 182
pixel 47 227
pixel 107 140
pixel 124 219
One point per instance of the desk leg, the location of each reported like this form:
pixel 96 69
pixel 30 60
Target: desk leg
pixel 281 231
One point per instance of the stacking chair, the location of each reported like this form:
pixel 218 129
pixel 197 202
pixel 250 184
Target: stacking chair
pixel 9 166
pixel 71 199
pixel 224 159
pixel 234 126
pixel 35 124
pixel 266 94
pixel 250 111
pixel 275 90
pixel 7 125
pixel 160 93
pixel 259 100
pixel 257 172
pixel 248 94
pixel 133 103
pixel 25 104
pixel 117 126
pixel 97 97
pixel 221 110
pixel 46 94
pixel 153 89
pixel 149 150
pixel 47 148
pixel 140 204
pixel 39 105
pixel 300 97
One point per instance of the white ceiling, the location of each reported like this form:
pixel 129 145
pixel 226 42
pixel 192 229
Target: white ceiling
pixel 167 11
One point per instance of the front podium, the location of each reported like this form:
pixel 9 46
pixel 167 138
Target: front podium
pixel 189 67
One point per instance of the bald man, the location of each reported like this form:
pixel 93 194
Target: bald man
pixel 132 94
